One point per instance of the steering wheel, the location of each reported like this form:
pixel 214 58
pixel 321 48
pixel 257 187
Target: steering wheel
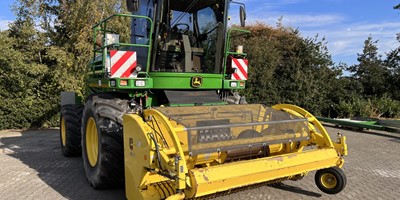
pixel 185 30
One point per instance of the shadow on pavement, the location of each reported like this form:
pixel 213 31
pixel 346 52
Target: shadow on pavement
pixel 298 190
pixel 40 151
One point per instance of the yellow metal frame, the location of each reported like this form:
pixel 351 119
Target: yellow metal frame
pixel 156 153
pixel 319 134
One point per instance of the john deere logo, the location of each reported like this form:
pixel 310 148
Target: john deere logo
pixel 197 81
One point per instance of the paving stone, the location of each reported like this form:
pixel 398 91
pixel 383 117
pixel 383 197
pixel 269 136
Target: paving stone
pixel 32 167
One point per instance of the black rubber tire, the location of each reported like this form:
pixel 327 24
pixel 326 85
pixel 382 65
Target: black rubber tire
pixel 71 114
pixel 339 175
pixel 107 112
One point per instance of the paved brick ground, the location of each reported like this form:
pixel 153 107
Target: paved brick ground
pixel 32 167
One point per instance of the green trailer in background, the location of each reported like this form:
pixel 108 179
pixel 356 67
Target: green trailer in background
pixel 365 123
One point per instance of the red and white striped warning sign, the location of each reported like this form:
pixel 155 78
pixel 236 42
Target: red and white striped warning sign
pixel 241 69
pixel 123 64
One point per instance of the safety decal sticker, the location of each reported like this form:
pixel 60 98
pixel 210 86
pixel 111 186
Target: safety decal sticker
pixel 240 66
pixel 123 64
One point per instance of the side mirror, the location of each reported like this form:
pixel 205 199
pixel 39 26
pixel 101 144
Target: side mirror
pixel 242 16
pixel 132 5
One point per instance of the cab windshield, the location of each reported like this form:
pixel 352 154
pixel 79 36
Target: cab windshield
pixel 190 37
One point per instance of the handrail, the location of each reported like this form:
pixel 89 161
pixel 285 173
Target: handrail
pixel 102 27
pixel 228 44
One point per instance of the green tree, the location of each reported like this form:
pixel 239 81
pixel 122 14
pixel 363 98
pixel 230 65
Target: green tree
pixel 25 86
pixel 371 70
pixel 392 61
pixel 286 68
pixel 69 29
pixel 46 51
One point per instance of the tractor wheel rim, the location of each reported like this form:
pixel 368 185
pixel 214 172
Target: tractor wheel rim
pixel 92 142
pixel 63 132
pixel 328 180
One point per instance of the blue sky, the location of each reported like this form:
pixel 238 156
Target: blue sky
pixel 6 15
pixel 344 23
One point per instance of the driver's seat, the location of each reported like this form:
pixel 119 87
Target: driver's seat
pixel 194 57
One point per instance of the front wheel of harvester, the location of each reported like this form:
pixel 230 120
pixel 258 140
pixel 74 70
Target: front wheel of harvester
pixel 102 141
pixel 331 180
pixel 70 130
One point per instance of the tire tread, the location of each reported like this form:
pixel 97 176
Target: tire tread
pixel 108 110
pixel 72 115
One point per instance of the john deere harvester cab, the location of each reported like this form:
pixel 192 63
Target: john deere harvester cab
pixel 163 116
pixel 175 48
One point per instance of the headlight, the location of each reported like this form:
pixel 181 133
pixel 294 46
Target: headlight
pixel 140 83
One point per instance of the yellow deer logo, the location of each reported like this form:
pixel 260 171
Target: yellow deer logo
pixel 197 81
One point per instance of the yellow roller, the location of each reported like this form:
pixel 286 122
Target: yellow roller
pixel 189 152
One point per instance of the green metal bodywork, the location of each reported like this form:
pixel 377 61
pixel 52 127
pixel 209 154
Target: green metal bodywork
pixel 99 81
pixel 170 80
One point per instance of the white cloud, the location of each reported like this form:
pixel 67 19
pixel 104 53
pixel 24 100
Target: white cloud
pixel 345 39
pixel 271 4
pixel 312 20
pixel 298 20
pixel 348 40
pixel 4 24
